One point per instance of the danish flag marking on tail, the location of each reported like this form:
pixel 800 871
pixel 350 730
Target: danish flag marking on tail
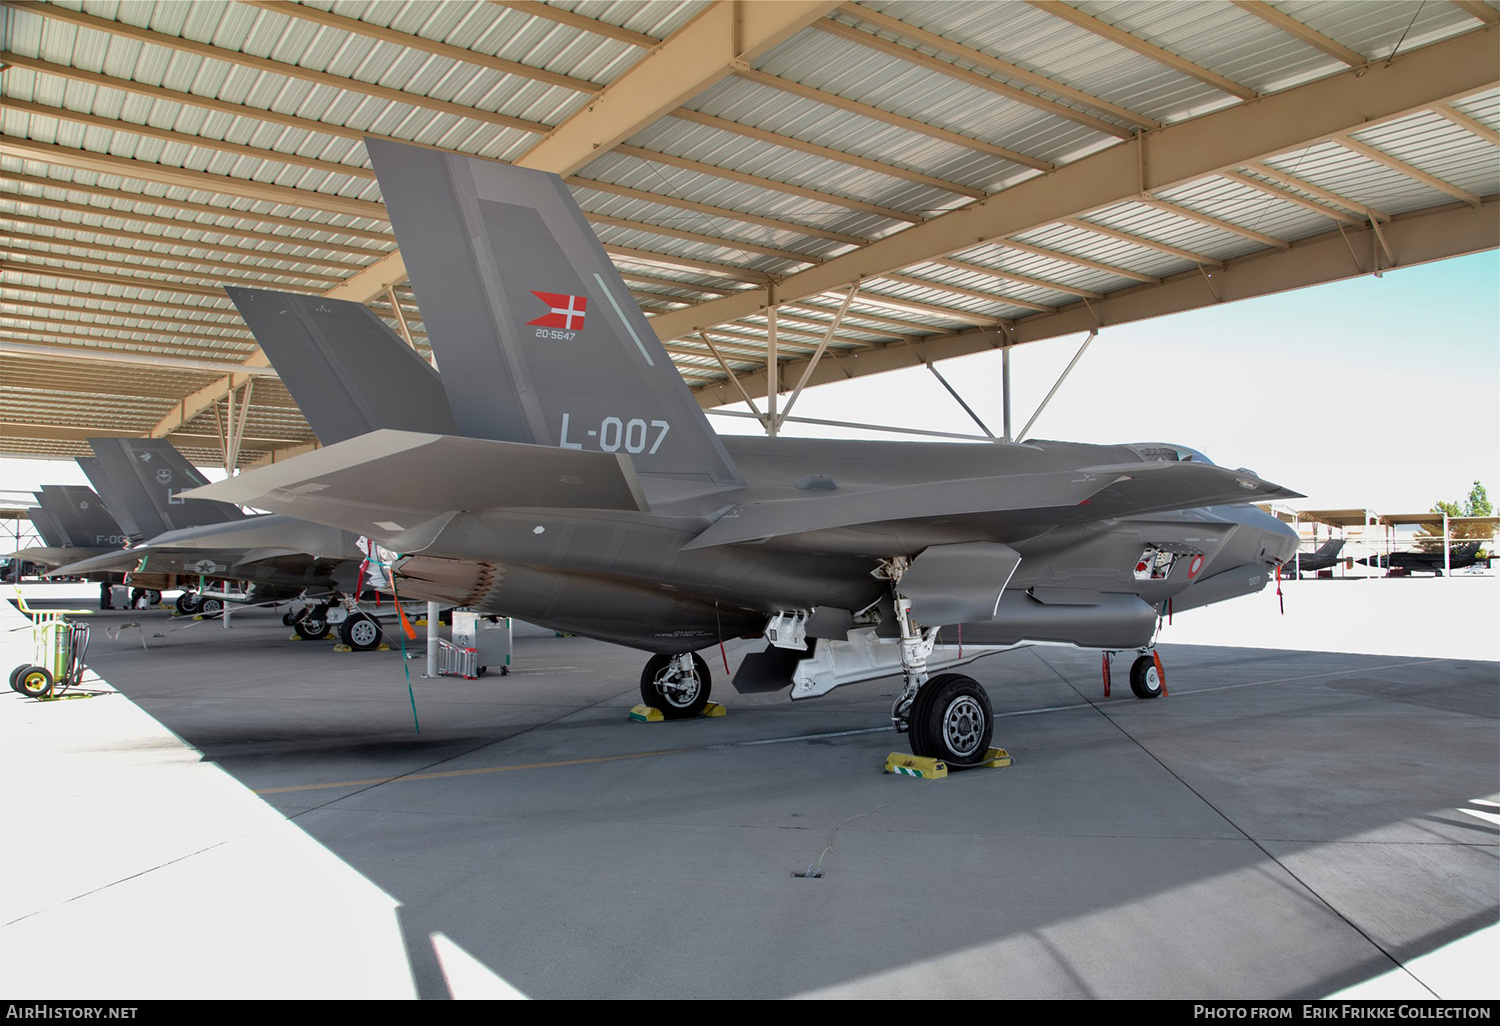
pixel 566 311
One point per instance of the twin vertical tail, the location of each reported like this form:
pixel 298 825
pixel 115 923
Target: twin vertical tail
pixel 537 338
pixel 145 476
pixel 348 372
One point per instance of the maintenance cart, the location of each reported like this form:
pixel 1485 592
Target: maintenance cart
pixel 58 647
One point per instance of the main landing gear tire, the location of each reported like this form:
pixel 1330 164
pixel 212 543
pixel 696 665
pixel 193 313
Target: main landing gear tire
pixel 361 632
pixel 35 681
pixel 678 696
pixel 951 719
pixel 210 607
pixel 1144 680
pixel 188 603
pixel 313 624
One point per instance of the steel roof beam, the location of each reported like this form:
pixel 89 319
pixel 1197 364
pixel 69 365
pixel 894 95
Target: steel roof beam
pixel 236 57
pixel 977 57
pixel 186 139
pixel 695 57
pixel 1287 196
pixel 432 46
pixel 1120 37
pixel 54 225
pixel 1287 179
pixel 771 184
pixel 579 21
pixel 1141 240
pixel 972 78
pixel 1179 153
pixel 1187 213
pixel 112 213
pixel 124 359
pixel 1467 123
pixel 826 152
pixel 1403 168
pixel 1024 279
pixel 709 211
pixel 225 185
pixel 1292 27
pixel 1416 238
pixel 785 85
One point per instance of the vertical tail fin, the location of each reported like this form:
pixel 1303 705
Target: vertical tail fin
pixel 81 515
pixel 348 372
pixel 45 526
pixel 118 507
pixel 147 474
pixel 537 337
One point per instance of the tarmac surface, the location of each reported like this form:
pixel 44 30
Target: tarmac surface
pixel 243 815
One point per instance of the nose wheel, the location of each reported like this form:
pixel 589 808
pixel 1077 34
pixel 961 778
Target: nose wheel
pixel 1147 679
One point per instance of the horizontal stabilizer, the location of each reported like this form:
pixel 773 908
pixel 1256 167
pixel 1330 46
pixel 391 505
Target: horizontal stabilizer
pixel 388 482
pixel 1071 497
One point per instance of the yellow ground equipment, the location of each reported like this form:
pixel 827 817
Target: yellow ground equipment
pixel 58 647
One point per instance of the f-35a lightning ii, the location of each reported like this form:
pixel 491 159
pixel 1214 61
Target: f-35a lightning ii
pixel 1413 561
pixel 1327 555
pixel 585 491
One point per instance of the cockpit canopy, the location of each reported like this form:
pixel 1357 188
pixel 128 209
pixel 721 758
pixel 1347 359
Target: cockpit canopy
pixel 1166 452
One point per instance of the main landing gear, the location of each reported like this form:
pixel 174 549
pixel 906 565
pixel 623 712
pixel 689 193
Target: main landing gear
pixel 946 717
pixel 678 685
pixel 1147 678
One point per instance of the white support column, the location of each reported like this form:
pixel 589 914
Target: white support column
pixel 773 383
pixel 432 639
pixel 1447 549
pixel 1005 394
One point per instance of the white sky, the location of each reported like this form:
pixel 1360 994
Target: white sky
pixel 1381 393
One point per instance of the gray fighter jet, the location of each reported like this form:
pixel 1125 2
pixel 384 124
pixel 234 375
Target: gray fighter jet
pixel 1327 555
pixel 190 541
pixel 1462 555
pixel 74 524
pixel 585 491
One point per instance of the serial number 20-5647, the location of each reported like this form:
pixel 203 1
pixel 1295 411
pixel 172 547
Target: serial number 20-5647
pixel 615 433
pixel 557 333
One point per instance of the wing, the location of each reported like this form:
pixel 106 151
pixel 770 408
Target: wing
pixel 1016 504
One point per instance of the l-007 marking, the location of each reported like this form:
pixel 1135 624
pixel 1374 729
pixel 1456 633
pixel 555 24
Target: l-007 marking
pixel 614 434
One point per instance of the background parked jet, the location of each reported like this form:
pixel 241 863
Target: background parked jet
pixel 1460 556
pixel 590 494
pixel 1327 555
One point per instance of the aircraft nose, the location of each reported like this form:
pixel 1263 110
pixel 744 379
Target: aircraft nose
pixel 1279 541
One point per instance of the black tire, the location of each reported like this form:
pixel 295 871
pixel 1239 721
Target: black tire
pixel 1144 680
pixel 188 602
pixel 677 700
pixel 361 632
pixel 956 723
pixel 153 597
pixel 313 624
pixel 210 607
pixel 15 676
pixel 35 681
pixel 289 618
pixel 916 736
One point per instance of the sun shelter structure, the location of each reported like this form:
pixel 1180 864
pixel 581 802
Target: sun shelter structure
pixel 797 192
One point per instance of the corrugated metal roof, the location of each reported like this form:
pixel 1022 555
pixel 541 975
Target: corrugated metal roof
pixel 142 173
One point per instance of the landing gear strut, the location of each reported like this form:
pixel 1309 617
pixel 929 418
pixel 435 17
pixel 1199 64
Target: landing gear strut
pixel 678 685
pixel 947 717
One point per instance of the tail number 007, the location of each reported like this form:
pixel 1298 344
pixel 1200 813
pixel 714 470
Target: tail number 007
pixel 613 434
